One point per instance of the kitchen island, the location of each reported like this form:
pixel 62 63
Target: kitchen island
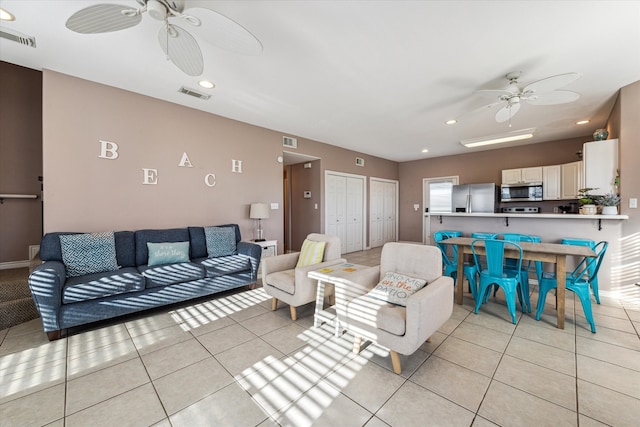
pixel 551 228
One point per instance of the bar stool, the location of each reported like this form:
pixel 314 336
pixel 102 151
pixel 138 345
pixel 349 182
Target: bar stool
pixel 450 264
pixel 592 244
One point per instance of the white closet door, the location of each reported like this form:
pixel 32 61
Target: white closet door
pixel 354 214
pixel 376 217
pixel 336 188
pixel 390 214
pixel 344 209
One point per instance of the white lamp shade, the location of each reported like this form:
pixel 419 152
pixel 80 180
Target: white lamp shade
pixel 259 211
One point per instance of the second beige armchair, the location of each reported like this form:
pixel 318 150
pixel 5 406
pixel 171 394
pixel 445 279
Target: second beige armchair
pixel 285 282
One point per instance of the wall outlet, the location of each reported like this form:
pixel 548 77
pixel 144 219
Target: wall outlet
pixel 633 203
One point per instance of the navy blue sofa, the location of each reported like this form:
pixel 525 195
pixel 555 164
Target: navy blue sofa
pixel 67 302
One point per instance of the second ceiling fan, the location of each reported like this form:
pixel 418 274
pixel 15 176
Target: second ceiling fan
pixel 540 92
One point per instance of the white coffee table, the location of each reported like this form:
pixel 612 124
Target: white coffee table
pixel 331 275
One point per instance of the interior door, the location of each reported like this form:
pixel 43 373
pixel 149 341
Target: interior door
pixel 354 214
pixel 345 209
pixel 376 217
pixel 390 211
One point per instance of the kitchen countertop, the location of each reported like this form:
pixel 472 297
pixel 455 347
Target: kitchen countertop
pixel 527 215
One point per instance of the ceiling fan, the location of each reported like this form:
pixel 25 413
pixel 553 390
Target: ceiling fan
pixel 541 92
pixel 177 43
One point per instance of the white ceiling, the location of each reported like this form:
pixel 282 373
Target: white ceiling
pixel 378 77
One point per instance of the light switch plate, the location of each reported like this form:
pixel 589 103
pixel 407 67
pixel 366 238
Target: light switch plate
pixel 633 203
pixel 275 206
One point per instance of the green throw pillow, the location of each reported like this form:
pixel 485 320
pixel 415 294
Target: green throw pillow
pixel 88 253
pixel 311 253
pixel 168 252
pixel 395 288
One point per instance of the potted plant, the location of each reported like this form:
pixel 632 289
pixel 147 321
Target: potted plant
pixel 587 202
pixel 609 203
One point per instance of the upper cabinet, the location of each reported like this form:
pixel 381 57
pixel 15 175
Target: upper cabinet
pixel 551 182
pixel 571 180
pixel 522 175
pixel 600 166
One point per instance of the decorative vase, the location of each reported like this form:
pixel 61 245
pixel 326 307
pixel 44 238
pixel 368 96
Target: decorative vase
pixel 588 210
pixel 609 210
pixel 600 134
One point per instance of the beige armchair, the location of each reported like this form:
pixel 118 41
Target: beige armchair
pixel 283 281
pixel 400 329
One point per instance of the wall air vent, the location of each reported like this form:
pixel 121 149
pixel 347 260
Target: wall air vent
pixel 359 161
pixel 287 141
pixel 17 37
pixel 194 93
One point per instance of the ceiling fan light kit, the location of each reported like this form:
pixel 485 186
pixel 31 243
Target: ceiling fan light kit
pixel 499 139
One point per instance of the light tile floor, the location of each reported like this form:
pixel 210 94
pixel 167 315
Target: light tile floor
pixel 231 361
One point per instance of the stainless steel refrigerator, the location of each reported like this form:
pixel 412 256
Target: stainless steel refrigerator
pixel 475 198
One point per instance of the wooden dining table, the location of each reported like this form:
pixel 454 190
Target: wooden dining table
pixel 555 253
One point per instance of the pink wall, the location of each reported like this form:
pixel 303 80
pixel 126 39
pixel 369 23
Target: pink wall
pixel 84 192
pixel 20 160
pixel 624 125
pixel 477 167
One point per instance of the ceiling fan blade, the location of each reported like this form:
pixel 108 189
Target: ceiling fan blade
pixel 551 83
pixel 102 18
pixel 486 107
pixel 507 112
pixel 225 33
pixel 553 97
pixel 182 49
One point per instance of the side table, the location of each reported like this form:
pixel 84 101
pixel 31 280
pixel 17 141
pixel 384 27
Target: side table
pixel 331 275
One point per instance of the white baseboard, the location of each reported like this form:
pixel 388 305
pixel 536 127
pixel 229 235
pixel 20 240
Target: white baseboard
pixel 14 264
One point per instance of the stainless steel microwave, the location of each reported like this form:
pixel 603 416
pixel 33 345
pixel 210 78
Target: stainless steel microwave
pixel 530 192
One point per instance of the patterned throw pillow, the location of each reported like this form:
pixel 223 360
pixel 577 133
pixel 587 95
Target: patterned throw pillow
pixel 88 253
pixel 395 288
pixel 167 252
pixel 221 241
pixel 311 253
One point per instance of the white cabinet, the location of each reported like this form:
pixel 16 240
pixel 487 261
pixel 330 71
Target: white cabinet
pixel 522 175
pixel 551 182
pixel 511 176
pixel 600 165
pixel 571 180
pixel 269 248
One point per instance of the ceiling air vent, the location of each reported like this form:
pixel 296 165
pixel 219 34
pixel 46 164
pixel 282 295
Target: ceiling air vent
pixel 194 93
pixel 18 37
pixel 287 141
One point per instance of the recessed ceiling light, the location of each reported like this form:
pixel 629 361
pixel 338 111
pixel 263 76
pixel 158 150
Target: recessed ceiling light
pixel 6 16
pixel 582 122
pixel 426 150
pixel 451 122
pixel 206 84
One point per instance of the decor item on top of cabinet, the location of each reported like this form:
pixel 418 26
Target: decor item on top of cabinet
pixel 609 203
pixel 587 203
pixel 600 134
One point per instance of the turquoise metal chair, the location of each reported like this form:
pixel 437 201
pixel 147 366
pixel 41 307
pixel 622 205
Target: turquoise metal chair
pixel 482 235
pixel 591 244
pixel 450 259
pixel 495 273
pixel 577 281
pixel 510 263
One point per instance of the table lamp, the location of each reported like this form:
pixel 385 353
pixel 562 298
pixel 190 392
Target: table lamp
pixel 259 211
